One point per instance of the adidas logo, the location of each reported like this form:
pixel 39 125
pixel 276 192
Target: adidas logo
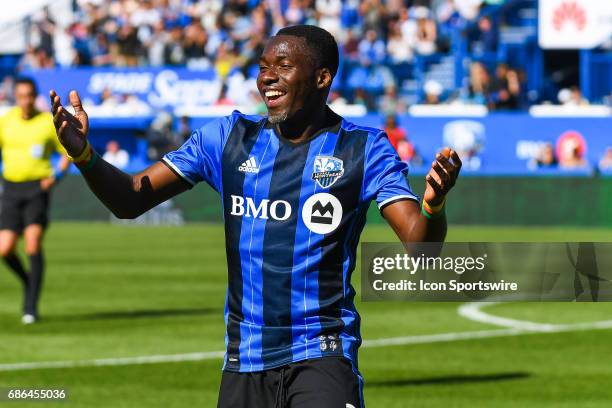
pixel 249 166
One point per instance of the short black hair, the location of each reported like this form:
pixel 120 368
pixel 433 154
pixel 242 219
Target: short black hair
pixel 29 81
pixel 320 41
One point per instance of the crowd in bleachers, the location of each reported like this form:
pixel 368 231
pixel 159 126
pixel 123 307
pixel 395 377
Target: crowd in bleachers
pixel 381 40
pixel 229 33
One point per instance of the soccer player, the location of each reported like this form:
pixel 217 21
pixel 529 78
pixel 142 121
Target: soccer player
pixel 27 139
pixel 295 187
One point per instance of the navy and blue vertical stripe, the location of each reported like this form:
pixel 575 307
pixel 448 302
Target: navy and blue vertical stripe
pixel 350 148
pixel 241 140
pixel 290 253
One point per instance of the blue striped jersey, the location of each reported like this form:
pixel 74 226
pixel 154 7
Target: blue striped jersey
pixel 293 215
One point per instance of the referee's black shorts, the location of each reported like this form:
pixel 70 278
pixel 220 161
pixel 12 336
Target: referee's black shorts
pixel 328 382
pixel 23 204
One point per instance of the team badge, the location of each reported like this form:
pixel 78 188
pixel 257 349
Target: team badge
pixel 327 170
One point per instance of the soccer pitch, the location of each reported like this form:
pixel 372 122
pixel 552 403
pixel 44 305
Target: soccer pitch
pixel 116 292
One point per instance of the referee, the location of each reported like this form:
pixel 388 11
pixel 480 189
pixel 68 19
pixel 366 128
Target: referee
pixel 27 139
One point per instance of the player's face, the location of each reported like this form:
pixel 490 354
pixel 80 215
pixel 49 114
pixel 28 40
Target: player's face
pixel 25 97
pixel 286 79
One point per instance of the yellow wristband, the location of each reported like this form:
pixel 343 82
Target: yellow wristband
pixel 85 154
pixel 435 209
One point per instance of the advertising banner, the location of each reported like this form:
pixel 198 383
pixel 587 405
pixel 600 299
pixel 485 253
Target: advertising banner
pixel 574 24
pixel 158 87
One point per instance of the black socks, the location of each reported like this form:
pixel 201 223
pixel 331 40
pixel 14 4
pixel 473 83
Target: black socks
pixel 35 284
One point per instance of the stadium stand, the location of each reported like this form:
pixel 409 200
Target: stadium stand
pixel 412 58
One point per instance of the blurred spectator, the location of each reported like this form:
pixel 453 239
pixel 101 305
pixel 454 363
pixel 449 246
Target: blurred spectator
pixel 35 58
pixel 444 11
pixel 101 51
pixel 160 136
pixel 129 46
pixel 394 132
pixel 426 34
pixel 174 54
pixel 227 59
pixel 107 98
pixel 7 97
pixel 433 90
pixel 468 9
pixel 194 45
pixel 223 99
pixel 407 153
pixel 361 97
pixel 371 49
pixel 328 13
pixel 398 48
pixel 571 97
pixel 351 46
pixel 255 100
pixel 336 99
pixel 486 37
pixel 546 158
pixel 506 88
pixel 576 98
pixel 45 28
pixel 390 103
pixel 606 161
pixel 480 84
pixel 295 13
pixel 372 12
pixel 184 129
pixel 115 155
pixel 398 139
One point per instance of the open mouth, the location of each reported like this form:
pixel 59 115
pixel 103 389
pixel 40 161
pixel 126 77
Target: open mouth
pixel 273 97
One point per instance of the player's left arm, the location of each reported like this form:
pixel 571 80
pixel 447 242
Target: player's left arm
pixel 427 223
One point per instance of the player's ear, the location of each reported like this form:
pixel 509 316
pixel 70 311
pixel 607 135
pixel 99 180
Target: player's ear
pixel 324 78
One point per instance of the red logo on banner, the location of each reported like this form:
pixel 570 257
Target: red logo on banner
pixel 571 144
pixel 569 11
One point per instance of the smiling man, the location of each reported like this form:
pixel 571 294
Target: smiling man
pixel 295 188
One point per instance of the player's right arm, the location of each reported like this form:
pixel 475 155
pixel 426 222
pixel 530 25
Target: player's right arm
pixel 125 195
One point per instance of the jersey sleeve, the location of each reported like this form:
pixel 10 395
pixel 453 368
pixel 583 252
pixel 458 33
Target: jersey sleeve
pixel 385 175
pixel 199 158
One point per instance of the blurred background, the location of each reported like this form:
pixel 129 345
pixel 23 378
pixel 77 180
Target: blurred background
pixel 522 89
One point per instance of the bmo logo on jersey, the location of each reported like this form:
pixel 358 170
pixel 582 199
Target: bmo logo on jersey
pixel 322 213
pixel 278 210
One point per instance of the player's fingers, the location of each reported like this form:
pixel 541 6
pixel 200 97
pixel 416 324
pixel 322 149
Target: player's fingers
pixel 442 174
pixel 57 117
pixel 434 184
pixel 445 163
pixel 433 174
pixel 55 103
pixel 62 128
pixel 52 96
pixel 456 161
pixel 75 101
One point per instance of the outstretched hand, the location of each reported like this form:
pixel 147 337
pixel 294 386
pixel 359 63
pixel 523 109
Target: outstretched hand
pixel 442 176
pixel 71 129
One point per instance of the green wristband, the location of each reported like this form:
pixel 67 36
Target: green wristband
pixel 91 163
pixel 433 216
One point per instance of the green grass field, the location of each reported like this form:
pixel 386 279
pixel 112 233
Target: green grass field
pixel 114 292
